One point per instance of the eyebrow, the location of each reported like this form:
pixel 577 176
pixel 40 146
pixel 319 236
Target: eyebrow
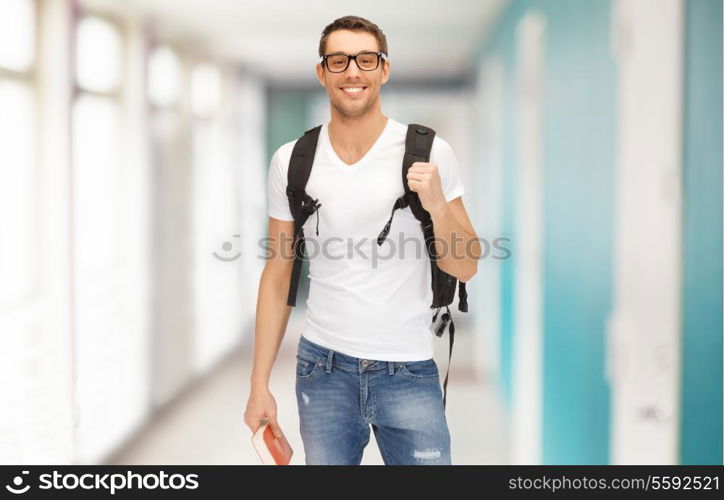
pixel 345 53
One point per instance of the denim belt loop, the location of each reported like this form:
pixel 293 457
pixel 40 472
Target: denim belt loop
pixel 328 369
pixel 391 367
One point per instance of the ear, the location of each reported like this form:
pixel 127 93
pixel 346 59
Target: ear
pixel 385 72
pixel 320 74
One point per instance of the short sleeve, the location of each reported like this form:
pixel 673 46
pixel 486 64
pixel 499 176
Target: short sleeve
pixel 277 189
pixel 443 156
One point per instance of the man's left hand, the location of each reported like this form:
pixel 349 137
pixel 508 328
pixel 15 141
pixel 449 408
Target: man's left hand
pixel 424 179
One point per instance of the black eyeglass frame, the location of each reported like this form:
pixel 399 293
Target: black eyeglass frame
pixel 381 56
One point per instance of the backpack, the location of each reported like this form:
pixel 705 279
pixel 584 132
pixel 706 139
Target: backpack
pixel 418 144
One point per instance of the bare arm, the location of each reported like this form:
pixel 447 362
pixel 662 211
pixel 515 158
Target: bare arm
pixel 456 243
pixel 272 316
pixel 459 256
pixel 272 311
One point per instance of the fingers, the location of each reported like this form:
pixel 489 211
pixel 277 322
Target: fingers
pixel 275 427
pixel 415 184
pixel 418 175
pixel 424 177
pixel 254 422
pixel 420 167
pixel 415 181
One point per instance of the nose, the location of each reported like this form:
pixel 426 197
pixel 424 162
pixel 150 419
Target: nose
pixel 353 69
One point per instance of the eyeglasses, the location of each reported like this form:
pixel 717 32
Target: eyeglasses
pixel 366 61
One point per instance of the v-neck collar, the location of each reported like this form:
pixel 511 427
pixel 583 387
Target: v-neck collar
pixel 367 155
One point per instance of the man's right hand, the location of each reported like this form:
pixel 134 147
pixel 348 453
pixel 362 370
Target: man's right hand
pixel 261 405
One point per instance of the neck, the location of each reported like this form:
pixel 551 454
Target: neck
pixel 354 133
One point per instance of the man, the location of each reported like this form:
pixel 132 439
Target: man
pixel 365 356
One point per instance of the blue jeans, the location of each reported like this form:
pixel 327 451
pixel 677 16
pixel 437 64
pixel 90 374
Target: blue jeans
pixel 339 396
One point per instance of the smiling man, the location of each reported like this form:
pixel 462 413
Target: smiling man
pixel 364 358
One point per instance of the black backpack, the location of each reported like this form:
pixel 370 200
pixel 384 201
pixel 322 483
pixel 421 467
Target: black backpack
pixel 418 144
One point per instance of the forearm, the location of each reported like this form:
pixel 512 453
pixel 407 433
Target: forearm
pixel 272 316
pixel 458 250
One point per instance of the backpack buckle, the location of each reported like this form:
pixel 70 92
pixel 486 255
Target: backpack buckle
pixel 310 206
pixel 444 320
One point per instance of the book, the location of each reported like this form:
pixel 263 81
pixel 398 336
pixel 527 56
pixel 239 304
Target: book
pixel 271 450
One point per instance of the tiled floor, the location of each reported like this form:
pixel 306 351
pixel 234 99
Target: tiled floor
pixel 206 426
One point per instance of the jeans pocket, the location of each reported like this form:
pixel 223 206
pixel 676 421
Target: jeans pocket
pixel 307 366
pixel 420 371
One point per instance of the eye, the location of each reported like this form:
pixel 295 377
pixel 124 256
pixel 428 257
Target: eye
pixel 337 60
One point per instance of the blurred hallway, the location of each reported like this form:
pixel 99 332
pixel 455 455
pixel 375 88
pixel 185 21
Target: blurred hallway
pixel 135 145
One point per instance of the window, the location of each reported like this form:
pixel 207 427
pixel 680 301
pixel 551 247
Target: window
pixel 101 302
pixel 96 138
pixel 164 77
pixel 205 90
pixel 98 59
pixel 18 170
pixel 17 35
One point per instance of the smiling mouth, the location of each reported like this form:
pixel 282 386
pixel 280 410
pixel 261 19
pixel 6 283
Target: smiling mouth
pixel 353 90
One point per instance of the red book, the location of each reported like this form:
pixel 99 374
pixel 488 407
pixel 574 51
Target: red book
pixel 271 450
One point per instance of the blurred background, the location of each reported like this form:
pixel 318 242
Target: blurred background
pixel 135 138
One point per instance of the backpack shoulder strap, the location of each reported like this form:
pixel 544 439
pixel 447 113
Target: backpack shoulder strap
pixel 301 204
pixel 300 167
pixel 418 144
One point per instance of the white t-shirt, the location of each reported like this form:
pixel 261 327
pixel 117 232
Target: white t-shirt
pixel 365 300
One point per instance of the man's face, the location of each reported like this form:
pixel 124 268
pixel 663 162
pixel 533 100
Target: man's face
pixel 348 104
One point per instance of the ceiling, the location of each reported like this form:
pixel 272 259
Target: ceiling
pixel 431 40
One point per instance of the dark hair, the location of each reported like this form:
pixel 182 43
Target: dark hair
pixel 353 23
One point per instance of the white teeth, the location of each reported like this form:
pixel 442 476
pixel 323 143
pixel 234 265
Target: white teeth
pixel 352 90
